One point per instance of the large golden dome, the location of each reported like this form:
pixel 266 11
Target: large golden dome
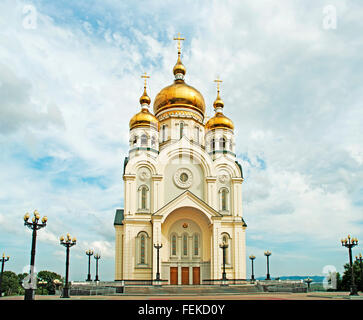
pixel 179 95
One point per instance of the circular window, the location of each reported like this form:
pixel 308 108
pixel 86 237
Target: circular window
pixel 183 178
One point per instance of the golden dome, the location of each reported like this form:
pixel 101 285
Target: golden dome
pixel 218 103
pixel 144 119
pixel 179 67
pixel 177 95
pixel 145 98
pixel 219 121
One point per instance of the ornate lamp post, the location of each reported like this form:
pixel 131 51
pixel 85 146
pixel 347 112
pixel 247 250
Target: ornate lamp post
pixel 57 283
pixel 252 257
pixel 29 281
pixel 308 281
pixel 3 260
pixel 350 243
pixel 89 253
pixel 67 243
pixel 42 283
pixel 361 267
pixel 224 246
pixel 97 257
pixel 267 254
pixel 157 247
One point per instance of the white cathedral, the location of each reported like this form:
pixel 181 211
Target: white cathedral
pixel 182 192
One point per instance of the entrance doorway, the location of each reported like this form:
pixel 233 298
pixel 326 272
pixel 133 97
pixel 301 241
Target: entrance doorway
pixel 185 275
pixel 173 275
pixel 196 275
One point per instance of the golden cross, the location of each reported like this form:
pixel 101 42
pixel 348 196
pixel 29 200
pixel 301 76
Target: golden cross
pixel 178 38
pixel 218 82
pixel 145 77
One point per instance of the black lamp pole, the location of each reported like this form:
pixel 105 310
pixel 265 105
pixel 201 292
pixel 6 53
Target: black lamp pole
pixel 252 257
pixel 89 253
pixel 224 246
pixel 68 243
pixel 157 247
pixel 350 243
pixel 3 260
pixel 361 268
pixel 33 225
pixel 97 257
pixel 308 281
pixel 267 254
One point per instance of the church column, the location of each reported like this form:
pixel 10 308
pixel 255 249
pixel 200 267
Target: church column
pixel 236 199
pixel 128 252
pixel 211 194
pixel 216 272
pixel 156 239
pixel 155 193
pixel 130 194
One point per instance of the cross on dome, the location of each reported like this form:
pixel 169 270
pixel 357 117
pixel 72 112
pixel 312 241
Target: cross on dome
pixel 178 38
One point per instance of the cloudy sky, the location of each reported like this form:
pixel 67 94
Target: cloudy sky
pixel 70 82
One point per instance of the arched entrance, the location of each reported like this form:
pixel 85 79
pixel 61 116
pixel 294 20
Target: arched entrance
pixel 187 253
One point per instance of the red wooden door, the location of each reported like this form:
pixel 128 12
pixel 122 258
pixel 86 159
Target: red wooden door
pixel 185 275
pixel 173 275
pixel 196 275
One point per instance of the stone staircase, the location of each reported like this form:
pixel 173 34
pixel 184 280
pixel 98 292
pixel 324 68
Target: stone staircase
pixel 190 290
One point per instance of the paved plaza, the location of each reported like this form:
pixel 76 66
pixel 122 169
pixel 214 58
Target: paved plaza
pixel 256 296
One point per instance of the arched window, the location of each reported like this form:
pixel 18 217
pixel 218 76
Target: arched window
pixel 222 144
pixel 163 134
pixel 226 240
pixel 173 245
pixel 224 194
pixel 185 245
pixel 134 141
pixel 142 241
pixel 196 134
pixel 143 197
pixel 196 245
pixel 153 141
pixel 213 144
pixel 181 129
pixel 142 249
pixel 144 139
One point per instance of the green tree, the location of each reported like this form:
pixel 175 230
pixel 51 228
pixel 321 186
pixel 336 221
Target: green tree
pixel 345 283
pixel 48 276
pixel 10 284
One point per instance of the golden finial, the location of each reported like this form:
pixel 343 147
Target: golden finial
pixel 218 103
pixel 178 38
pixel 145 98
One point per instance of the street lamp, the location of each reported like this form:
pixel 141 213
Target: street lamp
pixel 267 254
pixel 68 242
pixel 29 281
pixel 361 267
pixel 89 253
pixel 224 246
pixel 350 243
pixel 97 257
pixel 3 260
pixel 252 257
pixel 157 247
pixel 308 281
pixel 42 283
pixel 57 283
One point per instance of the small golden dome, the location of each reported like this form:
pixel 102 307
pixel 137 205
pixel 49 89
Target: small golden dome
pixel 218 103
pixel 144 119
pixel 219 121
pixel 177 95
pixel 145 98
pixel 179 67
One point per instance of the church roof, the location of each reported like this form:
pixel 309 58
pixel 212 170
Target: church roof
pixel 119 217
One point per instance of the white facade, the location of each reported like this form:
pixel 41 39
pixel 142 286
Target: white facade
pixel 183 191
